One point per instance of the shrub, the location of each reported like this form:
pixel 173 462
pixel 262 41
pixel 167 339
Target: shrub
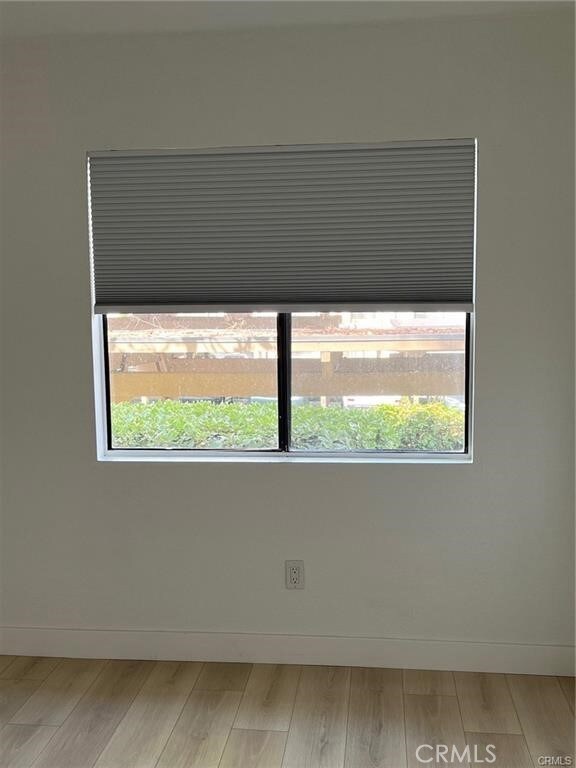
pixel 172 424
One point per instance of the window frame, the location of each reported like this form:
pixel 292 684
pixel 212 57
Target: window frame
pixel 283 453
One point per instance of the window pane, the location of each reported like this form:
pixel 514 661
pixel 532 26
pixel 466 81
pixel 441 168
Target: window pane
pixel 379 381
pixel 193 381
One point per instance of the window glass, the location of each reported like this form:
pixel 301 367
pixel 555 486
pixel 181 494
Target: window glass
pixel 391 381
pixel 193 381
pixel 360 381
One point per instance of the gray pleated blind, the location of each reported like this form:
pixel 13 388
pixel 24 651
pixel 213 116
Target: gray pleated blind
pixel 292 227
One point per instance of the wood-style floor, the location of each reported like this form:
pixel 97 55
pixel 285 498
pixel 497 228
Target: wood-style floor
pixel 77 713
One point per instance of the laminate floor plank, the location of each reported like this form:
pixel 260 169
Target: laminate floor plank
pixel 88 729
pixel 20 745
pixel 13 695
pixel 254 749
pixel 429 681
pixel 317 735
pixel 59 693
pixel 269 698
pixel 200 735
pixel 29 668
pixel 432 720
pixel 510 750
pixel 485 703
pixel 545 715
pixel 567 685
pixel 144 730
pixel 375 734
pixel 217 676
pixel 5 661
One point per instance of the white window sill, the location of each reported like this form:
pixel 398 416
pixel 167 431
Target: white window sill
pixel 245 457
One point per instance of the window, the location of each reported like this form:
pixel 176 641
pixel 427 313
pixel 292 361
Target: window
pixel 305 383
pixel 193 381
pixel 304 301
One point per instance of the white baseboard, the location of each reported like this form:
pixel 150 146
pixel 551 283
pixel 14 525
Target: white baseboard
pixel 288 649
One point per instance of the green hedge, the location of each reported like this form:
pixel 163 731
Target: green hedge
pixel 172 424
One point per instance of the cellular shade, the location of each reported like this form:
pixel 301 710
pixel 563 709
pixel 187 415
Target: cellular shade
pixel 284 228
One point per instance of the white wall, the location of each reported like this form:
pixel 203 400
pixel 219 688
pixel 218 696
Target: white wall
pixel 477 554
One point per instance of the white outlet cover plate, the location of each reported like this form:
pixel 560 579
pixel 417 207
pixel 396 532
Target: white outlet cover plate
pixel 294 574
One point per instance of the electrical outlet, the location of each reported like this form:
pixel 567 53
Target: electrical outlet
pixel 294 574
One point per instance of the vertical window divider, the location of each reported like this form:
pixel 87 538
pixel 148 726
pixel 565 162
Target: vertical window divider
pixel 284 351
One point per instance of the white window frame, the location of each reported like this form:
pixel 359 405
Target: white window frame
pixel 104 453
